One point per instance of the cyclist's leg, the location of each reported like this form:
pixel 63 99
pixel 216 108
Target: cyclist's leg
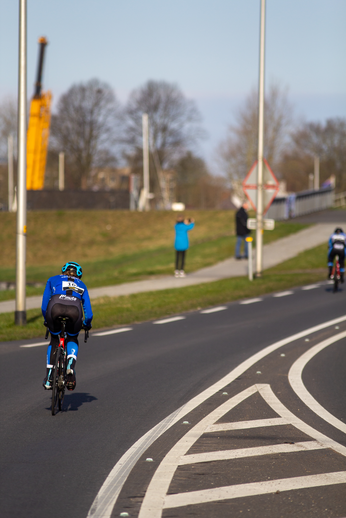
pixel 51 349
pixel 73 327
pixel 342 265
pixel 330 263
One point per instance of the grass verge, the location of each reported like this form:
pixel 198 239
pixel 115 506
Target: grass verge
pixel 152 305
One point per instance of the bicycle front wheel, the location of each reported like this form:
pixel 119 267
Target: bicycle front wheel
pixel 55 386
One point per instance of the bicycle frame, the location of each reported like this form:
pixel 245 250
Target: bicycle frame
pixel 59 369
pixel 59 372
pixel 336 273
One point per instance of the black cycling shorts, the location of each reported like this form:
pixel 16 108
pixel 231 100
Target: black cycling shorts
pixel 64 306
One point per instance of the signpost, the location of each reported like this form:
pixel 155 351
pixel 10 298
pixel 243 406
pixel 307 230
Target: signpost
pixel 270 186
pixel 269 189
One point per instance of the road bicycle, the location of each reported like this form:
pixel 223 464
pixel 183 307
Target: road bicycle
pixel 335 275
pixel 60 366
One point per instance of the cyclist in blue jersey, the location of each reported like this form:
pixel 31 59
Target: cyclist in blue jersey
pixel 64 296
pixel 337 246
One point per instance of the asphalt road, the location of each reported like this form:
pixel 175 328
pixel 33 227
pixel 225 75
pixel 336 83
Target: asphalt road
pixel 129 382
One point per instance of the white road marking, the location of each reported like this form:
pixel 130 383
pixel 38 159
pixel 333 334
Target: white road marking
pixel 283 294
pixel 250 301
pixel 156 493
pixel 310 287
pixel 213 310
pixel 212 456
pixel 113 331
pixel 245 425
pixel 106 498
pixel 256 488
pixel 36 345
pixel 295 378
pixel 167 320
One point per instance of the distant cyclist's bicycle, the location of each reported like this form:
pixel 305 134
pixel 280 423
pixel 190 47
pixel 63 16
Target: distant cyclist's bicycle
pixel 59 367
pixel 335 275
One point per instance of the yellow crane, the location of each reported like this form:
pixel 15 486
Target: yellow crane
pixel 38 129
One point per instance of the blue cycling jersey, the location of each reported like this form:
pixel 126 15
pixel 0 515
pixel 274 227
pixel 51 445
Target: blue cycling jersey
pixel 337 242
pixel 59 285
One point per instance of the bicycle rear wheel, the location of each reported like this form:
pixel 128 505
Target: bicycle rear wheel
pixel 62 380
pixel 55 386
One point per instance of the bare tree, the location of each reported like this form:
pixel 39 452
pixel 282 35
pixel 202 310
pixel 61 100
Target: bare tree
pixel 238 151
pixel 8 122
pixel 174 121
pixel 328 142
pixel 84 127
pixel 196 187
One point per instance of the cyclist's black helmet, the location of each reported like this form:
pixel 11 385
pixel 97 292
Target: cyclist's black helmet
pixel 71 265
pixel 338 230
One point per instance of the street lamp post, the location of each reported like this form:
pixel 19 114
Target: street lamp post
pixel 259 215
pixel 20 311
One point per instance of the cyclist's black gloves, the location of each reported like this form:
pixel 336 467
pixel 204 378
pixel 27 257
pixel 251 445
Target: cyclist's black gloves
pixel 45 324
pixel 86 328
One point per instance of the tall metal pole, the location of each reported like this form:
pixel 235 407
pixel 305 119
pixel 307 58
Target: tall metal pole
pixel 61 171
pixel 259 216
pixel 145 127
pixel 20 312
pixel 10 172
pixel 316 173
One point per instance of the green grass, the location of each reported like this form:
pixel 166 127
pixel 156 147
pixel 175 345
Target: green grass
pixel 139 307
pixel 139 246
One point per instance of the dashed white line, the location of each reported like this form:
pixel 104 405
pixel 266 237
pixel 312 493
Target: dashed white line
pixel 252 489
pixel 113 331
pixel 310 287
pixel 213 310
pixel 167 320
pixel 35 345
pixel 283 294
pixel 250 301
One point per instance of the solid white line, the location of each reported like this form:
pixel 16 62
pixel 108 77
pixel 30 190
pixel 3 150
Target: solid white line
pixel 106 498
pixel 283 294
pixel 167 320
pixel 255 488
pixel 241 453
pixel 295 378
pixel 245 425
pixel 269 396
pixel 162 478
pixel 311 287
pixel 36 345
pixel 213 310
pixel 250 301
pixel 113 331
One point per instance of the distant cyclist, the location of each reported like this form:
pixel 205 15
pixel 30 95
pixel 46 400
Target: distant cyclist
pixel 337 246
pixel 64 296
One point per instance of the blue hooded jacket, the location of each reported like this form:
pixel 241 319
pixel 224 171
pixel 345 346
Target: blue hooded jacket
pixel 181 238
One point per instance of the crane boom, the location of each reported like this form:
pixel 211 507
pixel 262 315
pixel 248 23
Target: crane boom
pixel 38 129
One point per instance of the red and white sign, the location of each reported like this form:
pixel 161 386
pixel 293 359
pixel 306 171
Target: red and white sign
pixel 270 186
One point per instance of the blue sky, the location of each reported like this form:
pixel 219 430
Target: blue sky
pixel 209 48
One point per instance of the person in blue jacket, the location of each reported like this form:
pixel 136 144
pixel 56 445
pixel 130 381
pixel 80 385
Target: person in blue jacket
pixel 337 246
pixel 181 243
pixel 64 296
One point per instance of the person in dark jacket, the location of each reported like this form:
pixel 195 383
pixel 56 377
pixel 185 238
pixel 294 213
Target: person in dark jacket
pixel 242 231
pixel 181 243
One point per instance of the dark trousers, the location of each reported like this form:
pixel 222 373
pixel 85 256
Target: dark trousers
pixel 180 259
